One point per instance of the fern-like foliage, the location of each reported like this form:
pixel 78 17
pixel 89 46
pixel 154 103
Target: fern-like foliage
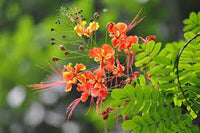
pixel 155 102
pixel 192 23
pixel 163 120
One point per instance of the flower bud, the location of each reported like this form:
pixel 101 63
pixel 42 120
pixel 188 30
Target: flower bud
pixel 96 15
pixel 105 116
pixel 104 112
pixel 54 59
pixel 81 47
pixel 62 47
pixel 125 117
pixel 52 29
pixel 52 38
pixel 66 53
pixel 91 20
pixel 151 38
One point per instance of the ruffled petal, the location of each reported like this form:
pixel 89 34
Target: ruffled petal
pixel 84 97
pixel 110 27
pixel 115 42
pixel 67 76
pixel 69 68
pixel 111 60
pixel 81 77
pixel 107 50
pixel 94 52
pixel 89 75
pixel 94 26
pixel 68 87
pixel 130 41
pixel 79 30
pixel 121 27
pixel 79 67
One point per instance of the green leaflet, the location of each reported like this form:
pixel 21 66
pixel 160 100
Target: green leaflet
pixel 192 23
pixel 165 119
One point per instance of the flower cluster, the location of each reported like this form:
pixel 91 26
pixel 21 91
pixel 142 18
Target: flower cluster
pixel 109 71
pixel 82 30
pixel 80 24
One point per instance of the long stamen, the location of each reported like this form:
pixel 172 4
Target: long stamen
pixel 71 108
pixel 91 102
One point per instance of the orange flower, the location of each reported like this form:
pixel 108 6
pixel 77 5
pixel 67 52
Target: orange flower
pixel 117 32
pixel 118 71
pixel 130 40
pixel 72 75
pixel 85 88
pixel 96 80
pixel 103 54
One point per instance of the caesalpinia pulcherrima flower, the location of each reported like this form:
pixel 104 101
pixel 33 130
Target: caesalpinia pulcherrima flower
pixel 71 76
pixel 104 55
pixel 82 30
pixel 94 84
pixel 118 70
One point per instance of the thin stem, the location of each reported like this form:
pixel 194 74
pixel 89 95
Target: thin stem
pixel 106 37
pixel 128 63
pixel 105 126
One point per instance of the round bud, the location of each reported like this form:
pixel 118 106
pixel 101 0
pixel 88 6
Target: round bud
pixel 52 38
pixel 54 59
pixel 81 47
pixel 96 15
pixel 91 20
pixel 52 29
pixel 104 112
pixel 125 117
pixel 62 47
pixel 105 116
pixel 66 53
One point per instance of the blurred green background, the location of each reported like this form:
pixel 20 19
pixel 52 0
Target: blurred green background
pixel 25 45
